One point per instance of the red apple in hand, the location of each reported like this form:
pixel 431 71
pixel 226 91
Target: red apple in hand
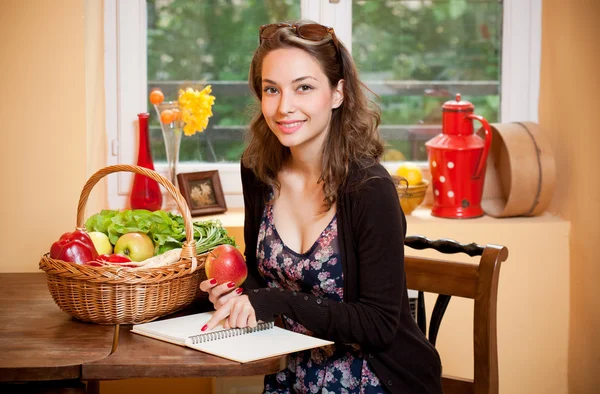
pixel 226 264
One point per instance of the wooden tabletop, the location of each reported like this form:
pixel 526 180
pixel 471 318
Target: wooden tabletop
pixel 138 356
pixel 38 341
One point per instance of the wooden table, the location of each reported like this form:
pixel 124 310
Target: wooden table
pixel 39 342
pixel 141 357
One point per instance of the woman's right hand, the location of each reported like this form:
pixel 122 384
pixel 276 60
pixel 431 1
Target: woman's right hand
pixel 220 294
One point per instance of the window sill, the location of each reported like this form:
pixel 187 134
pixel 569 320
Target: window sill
pixel 421 219
pixel 233 218
pixel 529 233
pixel 423 215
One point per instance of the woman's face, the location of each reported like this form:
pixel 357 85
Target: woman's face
pixel 297 100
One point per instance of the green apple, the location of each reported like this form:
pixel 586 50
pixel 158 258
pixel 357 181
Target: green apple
pixel 101 242
pixel 136 246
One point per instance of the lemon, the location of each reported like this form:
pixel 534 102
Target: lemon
pixel 411 172
pixel 393 155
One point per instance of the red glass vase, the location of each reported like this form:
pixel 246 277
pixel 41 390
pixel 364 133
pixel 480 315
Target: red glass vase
pixel 145 193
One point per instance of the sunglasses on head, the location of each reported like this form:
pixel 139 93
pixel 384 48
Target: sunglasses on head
pixel 310 31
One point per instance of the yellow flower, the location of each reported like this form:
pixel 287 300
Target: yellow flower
pixel 196 108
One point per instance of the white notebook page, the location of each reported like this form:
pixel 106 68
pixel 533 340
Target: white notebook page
pixel 259 345
pixel 178 329
pixel 242 348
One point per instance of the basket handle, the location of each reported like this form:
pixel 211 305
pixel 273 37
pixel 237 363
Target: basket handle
pixel 188 250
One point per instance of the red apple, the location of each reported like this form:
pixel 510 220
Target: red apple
pixel 226 264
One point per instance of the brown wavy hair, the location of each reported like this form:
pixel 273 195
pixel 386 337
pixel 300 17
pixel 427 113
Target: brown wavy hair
pixel 353 136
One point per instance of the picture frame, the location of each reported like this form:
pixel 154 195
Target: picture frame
pixel 202 192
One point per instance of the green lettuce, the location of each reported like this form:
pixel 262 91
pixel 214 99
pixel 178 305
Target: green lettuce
pixel 166 229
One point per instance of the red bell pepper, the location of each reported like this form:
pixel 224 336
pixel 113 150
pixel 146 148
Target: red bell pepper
pixel 76 247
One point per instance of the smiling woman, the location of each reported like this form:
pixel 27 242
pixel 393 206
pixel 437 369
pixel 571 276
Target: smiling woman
pixel 297 99
pixel 323 225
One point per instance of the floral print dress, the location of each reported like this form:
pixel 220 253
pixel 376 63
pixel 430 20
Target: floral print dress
pixel 330 369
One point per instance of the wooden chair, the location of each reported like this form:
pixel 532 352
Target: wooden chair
pixel 476 281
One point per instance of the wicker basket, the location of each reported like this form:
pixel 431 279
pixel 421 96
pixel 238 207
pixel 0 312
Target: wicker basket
pixel 410 196
pixel 114 295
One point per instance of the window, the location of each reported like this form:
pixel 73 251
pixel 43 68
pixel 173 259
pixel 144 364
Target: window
pixel 190 42
pixel 415 54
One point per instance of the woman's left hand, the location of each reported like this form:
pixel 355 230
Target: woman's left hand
pixel 237 311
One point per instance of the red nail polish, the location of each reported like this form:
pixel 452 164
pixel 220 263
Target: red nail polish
pixel 230 284
pixel 205 327
pixel 213 281
pixel 239 290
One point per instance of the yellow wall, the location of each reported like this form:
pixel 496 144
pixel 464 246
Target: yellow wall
pixel 569 108
pixel 533 330
pixel 43 112
pixel 52 112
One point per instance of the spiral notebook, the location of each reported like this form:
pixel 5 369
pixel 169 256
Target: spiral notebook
pixel 238 344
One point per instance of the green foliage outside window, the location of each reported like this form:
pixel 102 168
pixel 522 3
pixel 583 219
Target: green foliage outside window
pixel 191 42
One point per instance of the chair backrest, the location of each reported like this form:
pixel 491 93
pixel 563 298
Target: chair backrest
pixel 476 281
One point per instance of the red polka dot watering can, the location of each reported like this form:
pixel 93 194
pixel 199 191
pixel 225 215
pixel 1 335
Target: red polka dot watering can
pixel 457 159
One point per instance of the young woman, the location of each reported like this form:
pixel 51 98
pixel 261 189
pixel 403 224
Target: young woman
pixel 324 231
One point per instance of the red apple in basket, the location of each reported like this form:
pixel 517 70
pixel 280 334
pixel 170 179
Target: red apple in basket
pixel 226 264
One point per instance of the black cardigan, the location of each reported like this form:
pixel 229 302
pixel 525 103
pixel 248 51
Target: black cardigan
pixel 375 313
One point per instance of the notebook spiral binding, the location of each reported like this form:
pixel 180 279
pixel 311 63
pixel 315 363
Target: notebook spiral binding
pixel 213 336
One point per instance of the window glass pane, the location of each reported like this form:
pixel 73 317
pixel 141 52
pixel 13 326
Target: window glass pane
pixel 417 54
pixel 194 43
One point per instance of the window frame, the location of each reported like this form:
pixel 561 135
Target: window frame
pixel 125 80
